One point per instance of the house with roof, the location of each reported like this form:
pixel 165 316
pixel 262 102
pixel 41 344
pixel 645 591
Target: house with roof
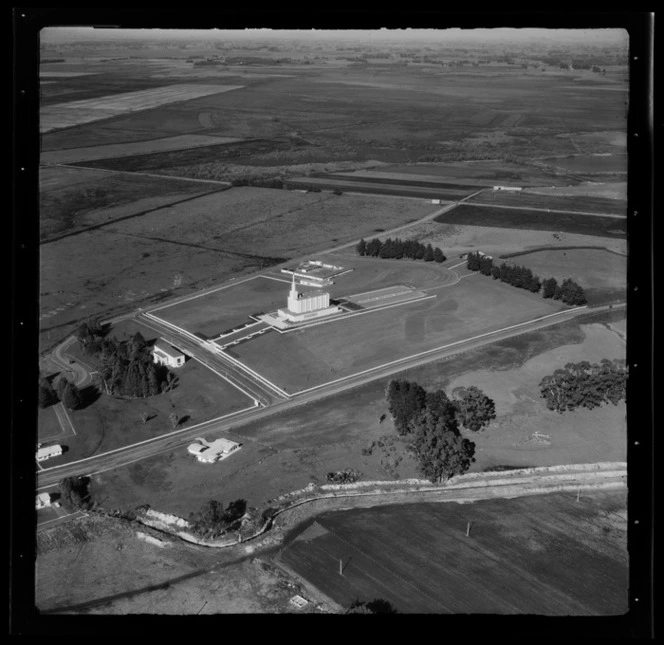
pixel 166 354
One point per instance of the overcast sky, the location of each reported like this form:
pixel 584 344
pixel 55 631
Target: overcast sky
pixel 618 37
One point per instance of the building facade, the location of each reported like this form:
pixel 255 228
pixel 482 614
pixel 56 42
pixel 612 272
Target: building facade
pixel 166 355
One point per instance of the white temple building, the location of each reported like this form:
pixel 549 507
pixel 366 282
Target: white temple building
pixel 306 305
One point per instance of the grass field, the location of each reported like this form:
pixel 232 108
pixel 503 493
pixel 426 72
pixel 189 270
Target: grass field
pixel 182 142
pixel 601 273
pixel 300 360
pixel 289 450
pixel 469 215
pixel 73 199
pixel 110 422
pixel 48 426
pixel 221 310
pixel 63 115
pixel 590 164
pixel 196 244
pixel 560 557
pixel 378 188
pixel 577 203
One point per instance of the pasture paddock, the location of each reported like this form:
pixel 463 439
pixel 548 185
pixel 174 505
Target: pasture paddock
pixel 562 557
pixel 504 217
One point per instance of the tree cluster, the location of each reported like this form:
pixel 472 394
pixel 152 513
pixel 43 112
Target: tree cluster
pixel 47 395
pixel 375 606
pixel 431 421
pixel 585 385
pixel 74 493
pixel 126 368
pixel 212 520
pixel 397 249
pixel 522 277
pixel 348 476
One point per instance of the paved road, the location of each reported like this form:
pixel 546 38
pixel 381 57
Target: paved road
pixel 131 454
pixel 80 372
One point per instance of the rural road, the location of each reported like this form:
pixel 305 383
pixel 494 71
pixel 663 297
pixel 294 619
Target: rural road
pixel 130 454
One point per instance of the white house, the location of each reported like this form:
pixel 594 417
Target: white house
pixel 43 500
pixel 165 354
pixel 209 452
pixel 48 452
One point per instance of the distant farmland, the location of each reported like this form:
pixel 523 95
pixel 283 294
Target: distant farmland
pixel 590 164
pixel 112 150
pixel 470 215
pixel 64 115
pixel 545 555
pixel 577 203
pixel 370 185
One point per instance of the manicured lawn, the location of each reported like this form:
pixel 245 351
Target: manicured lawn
pixel 300 360
pixel 48 426
pixel 545 555
pixel 110 422
pixel 221 310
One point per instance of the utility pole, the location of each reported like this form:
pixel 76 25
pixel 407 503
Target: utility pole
pixel 341 567
pixel 468 529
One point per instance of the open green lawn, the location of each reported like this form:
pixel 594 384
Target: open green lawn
pixel 219 311
pixel 48 426
pixel 110 422
pixel 289 450
pixel 299 360
pixel 601 273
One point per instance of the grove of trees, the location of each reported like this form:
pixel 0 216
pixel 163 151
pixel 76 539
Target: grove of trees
pixel 212 520
pixel 126 368
pixel 47 395
pixel 522 277
pixel 397 249
pixel 431 421
pixel 74 494
pixel 585 384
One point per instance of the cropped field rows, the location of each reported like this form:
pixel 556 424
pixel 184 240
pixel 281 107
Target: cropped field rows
pixel 64 115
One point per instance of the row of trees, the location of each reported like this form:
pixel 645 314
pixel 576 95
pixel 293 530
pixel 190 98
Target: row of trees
pixel 397 249
pixel 585 384
pixel 126 368
pixel 522 277
pixel 431 421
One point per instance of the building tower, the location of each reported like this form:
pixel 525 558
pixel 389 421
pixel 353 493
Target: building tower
pixel 293 296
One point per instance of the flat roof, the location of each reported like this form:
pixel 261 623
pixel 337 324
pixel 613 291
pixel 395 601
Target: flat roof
pixel 167 349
